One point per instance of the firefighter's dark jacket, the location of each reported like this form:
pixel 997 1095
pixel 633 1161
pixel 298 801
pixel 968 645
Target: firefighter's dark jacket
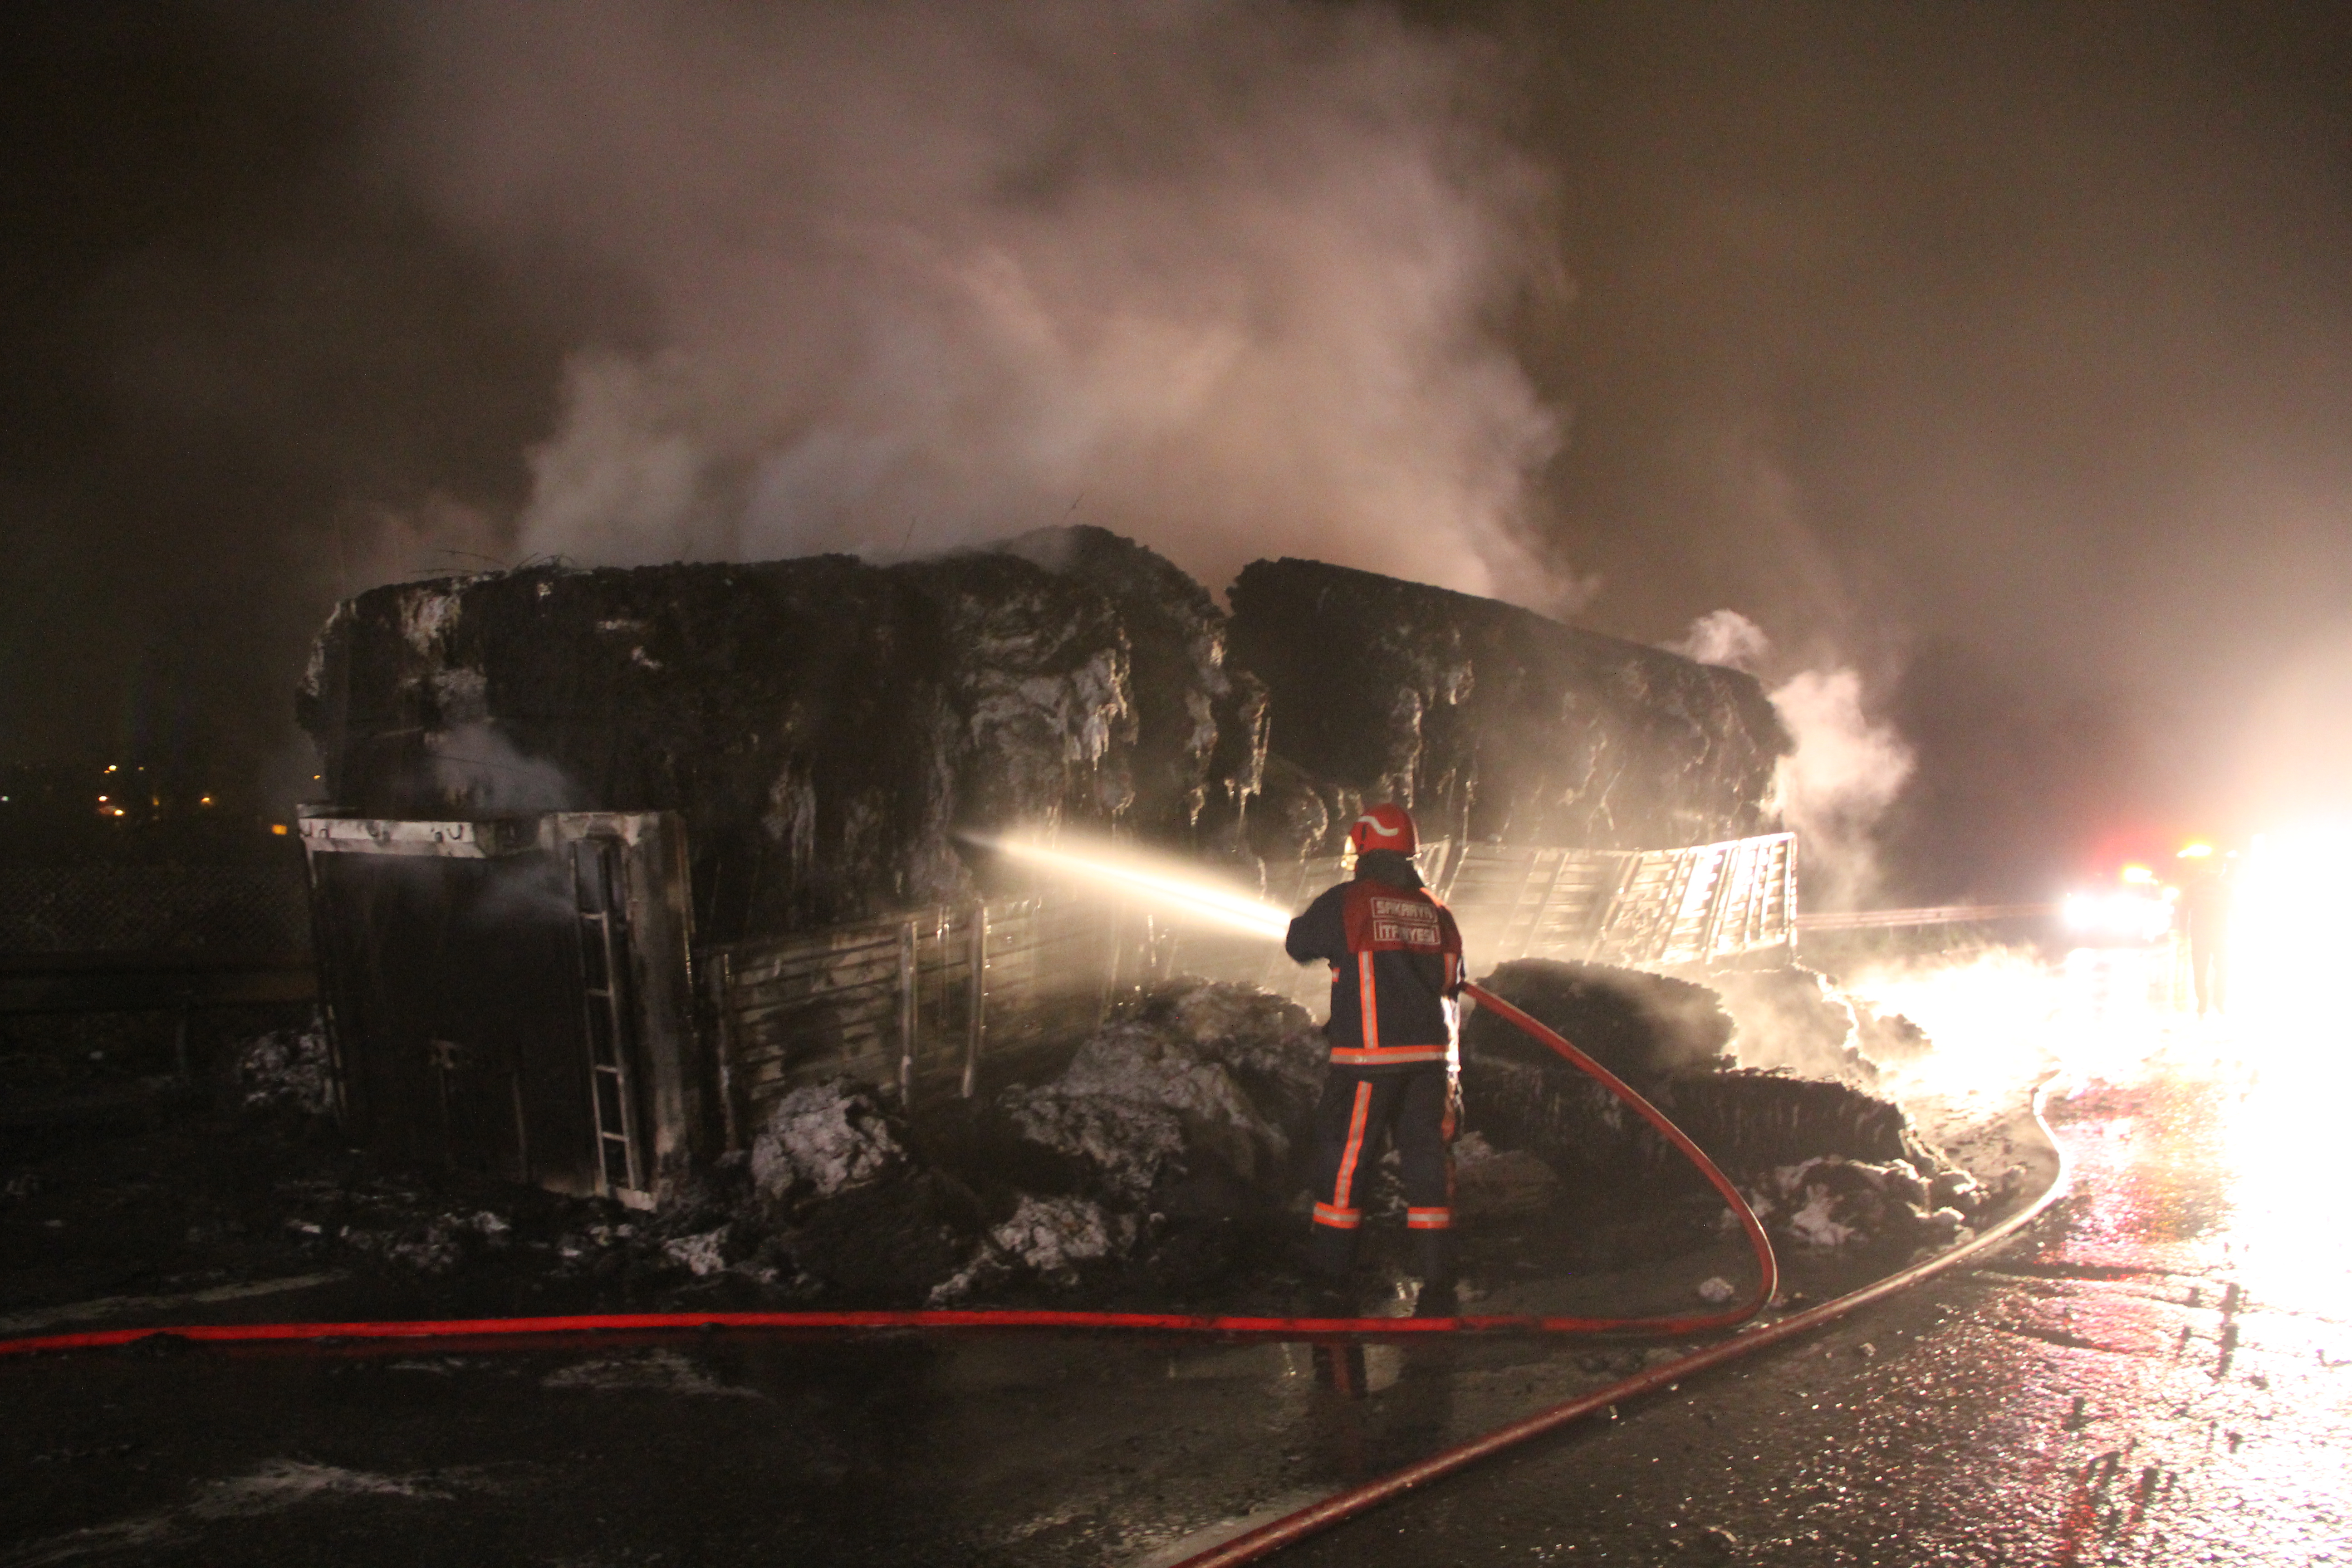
pixel 1396 961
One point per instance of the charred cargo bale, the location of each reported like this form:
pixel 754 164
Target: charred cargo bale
pixel 1831 1202
pixel 824 726
pixel 1749 1122
pixel 1171 1141
pixel 1639 1026
pixel 1665 1038
pixel 1495 723
pixel 1200 726
pixel 1164 1151
pixel 890 1243
pixel 825 1138
pixel 1753 1120
pixel 1196 1098
pixel 1644 1027
pixel 836 1201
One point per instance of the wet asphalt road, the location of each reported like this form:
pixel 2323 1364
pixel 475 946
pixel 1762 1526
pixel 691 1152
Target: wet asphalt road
pixel 2155 1374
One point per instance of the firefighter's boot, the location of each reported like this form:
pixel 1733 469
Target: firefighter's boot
pixel 1436 1259
pixel 1330 1254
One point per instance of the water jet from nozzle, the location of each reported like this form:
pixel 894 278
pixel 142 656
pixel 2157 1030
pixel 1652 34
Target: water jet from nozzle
pixel 1179 891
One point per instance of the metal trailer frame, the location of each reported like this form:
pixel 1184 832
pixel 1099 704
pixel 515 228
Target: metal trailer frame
pixel 944 999
pixel 545 962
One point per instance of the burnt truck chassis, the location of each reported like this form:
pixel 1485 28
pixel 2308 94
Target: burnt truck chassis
pixel 523 998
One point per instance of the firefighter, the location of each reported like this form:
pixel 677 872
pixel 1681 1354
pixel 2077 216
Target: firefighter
pixel 2205 917
pixel 1396 969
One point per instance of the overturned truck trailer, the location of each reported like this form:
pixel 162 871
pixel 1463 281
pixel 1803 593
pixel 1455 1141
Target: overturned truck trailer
pixel 614 859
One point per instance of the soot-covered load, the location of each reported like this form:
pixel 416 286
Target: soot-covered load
pixel 1493 723
pixel 827 727
pixel 824 726
pixel 1825 1163
pixel 1200 725
pixel 1164 1152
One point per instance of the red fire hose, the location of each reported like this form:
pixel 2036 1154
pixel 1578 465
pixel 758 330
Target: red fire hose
pixel 1768 1268
pixel 1266 1539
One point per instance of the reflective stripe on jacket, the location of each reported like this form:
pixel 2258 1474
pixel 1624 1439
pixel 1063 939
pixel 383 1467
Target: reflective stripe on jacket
pixel 1396 963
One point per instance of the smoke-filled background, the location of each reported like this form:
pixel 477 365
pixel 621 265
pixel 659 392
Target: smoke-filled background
pixel 1976 376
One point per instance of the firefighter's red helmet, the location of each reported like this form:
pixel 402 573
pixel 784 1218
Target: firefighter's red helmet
pixel 1384 826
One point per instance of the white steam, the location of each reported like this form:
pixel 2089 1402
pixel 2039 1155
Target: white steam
pixel 1726 637
pixel 476 768
pixel 1848 767
pixel 1225 276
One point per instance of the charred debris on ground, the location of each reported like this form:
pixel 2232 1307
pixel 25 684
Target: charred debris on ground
pixel 1161 1168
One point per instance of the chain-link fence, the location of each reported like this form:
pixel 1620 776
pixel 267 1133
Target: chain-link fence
pixel 243 910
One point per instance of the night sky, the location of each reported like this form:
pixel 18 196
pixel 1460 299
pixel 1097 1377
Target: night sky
pixel 2000 356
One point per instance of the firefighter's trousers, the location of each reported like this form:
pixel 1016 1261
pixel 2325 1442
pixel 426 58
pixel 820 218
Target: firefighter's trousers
pixel 1363 1108
pixel 2208 968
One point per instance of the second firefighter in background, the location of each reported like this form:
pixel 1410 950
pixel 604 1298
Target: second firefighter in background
pixel 1396 969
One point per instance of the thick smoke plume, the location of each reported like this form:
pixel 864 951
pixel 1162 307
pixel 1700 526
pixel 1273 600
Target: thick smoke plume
pixel 1848 767
pixel 2014 338
pixel 1227 278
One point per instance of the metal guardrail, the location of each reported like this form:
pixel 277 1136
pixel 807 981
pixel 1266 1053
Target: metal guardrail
pixel 1941 914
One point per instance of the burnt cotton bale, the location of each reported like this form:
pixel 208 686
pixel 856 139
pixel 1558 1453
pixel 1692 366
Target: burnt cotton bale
pixel 1668 1039
pixel 1495 723
pixel 1641 1026
pixel 1200 726
pixel 826 727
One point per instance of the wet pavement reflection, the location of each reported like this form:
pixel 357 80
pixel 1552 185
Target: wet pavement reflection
pixel 720 1448
pixel 2156 1373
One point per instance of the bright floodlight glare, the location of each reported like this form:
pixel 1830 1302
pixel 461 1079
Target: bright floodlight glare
pixel 2289 930
pixel 2119 916
pixel 1181 891
pixel 2291 924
